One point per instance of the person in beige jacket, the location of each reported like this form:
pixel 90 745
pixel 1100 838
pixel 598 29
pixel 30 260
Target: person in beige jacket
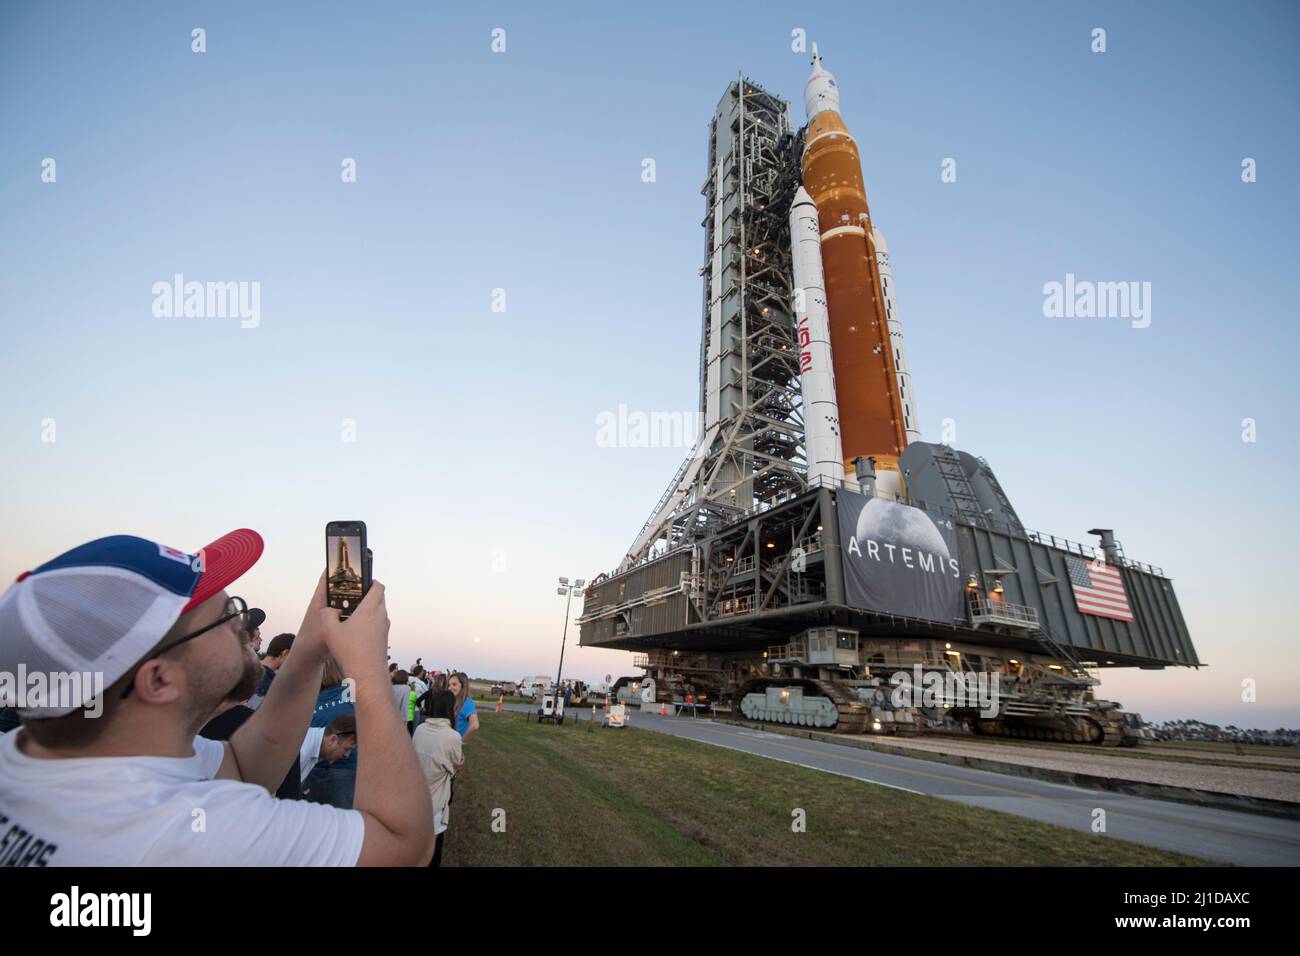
pixel 439 748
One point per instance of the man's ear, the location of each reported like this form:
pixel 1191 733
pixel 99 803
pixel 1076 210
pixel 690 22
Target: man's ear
pixel 157 682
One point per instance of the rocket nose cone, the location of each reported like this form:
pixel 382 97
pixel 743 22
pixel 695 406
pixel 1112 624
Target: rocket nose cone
pixel 817 61
pixel 801 195
pixel 819 92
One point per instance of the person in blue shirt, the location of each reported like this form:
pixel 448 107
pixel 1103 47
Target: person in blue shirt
pixel 277 652
pixel 466 712
pixel 332 782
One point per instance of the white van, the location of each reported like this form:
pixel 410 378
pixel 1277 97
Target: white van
pixel 532 687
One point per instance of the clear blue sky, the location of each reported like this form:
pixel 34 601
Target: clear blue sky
pixel 476 463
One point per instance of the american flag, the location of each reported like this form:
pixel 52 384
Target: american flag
pixel 1098 589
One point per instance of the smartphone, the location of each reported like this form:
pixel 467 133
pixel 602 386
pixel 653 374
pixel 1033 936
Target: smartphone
pixel 347 565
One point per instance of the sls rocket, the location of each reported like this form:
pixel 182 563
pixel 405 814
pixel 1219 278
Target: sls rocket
pixel 871 402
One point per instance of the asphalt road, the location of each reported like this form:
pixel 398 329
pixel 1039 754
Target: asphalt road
pixel 1221 835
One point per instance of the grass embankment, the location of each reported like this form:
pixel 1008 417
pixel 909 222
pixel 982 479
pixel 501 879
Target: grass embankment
pixel 1214 746
pixel 1198 754
pixel 485 701
pixel 636 797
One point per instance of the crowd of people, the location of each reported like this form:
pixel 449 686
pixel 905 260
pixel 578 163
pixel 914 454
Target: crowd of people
pixel 203 750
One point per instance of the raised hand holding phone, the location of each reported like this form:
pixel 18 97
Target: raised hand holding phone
pixel 347 565
pixel 360 643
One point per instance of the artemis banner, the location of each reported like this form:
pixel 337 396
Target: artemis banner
pixel 899 559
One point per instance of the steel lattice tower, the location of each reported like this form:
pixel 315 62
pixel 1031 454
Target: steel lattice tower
pixel 750 450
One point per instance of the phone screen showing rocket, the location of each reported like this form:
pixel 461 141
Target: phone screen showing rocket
pixel 346 576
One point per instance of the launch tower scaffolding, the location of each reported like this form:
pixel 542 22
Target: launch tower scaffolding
pixel 750 451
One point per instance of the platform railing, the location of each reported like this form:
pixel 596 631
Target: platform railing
pixel 729 607
pixel 984 611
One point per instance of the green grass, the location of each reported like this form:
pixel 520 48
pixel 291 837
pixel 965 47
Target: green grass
pixel 636 797
pixel 492 701
pixel 532 702
pixel 1213 746
pixel 1195 754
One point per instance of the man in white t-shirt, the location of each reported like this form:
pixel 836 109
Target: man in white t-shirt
pixel 334 742
pixel 107 771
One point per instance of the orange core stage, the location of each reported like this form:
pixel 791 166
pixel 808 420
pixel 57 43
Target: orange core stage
pixel 866 380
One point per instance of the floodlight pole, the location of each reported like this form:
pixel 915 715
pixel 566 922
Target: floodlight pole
pixel 567 589
pixel 563 641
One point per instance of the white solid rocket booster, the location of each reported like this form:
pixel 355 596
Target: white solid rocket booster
pixel 910 424
pixel 821 413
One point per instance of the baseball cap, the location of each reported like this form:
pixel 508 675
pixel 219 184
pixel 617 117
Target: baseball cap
pixel 256 618
pixel 102 606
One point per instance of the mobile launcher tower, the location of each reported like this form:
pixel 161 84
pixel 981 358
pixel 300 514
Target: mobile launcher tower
pixel 813 562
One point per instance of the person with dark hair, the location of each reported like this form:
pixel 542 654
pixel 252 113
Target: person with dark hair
pixel 418 688
pixel 277 652
pixel 331 743
pixel 438 747
pixel 252 632
pixel 333 782
pixel 437 682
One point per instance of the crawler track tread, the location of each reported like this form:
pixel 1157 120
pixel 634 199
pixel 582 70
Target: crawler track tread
pixel 853 715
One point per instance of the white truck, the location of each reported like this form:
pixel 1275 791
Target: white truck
pixel 534 687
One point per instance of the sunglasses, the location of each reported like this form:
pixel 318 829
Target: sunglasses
pixel 236 608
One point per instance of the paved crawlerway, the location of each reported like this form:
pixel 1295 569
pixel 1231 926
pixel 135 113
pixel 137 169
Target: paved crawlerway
pixel 1219 835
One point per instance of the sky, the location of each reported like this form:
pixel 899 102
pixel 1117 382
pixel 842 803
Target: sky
pixel 436 342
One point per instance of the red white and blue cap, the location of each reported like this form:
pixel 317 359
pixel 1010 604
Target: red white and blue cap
pixel 102 606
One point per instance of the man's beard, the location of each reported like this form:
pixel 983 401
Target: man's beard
pixel 205 693
pixel 248 680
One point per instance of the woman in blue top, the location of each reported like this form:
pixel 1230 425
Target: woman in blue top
pixel 466 712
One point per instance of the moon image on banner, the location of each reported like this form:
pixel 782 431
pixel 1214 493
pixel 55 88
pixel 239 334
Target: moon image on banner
pixel 898 559
pixel 901 526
